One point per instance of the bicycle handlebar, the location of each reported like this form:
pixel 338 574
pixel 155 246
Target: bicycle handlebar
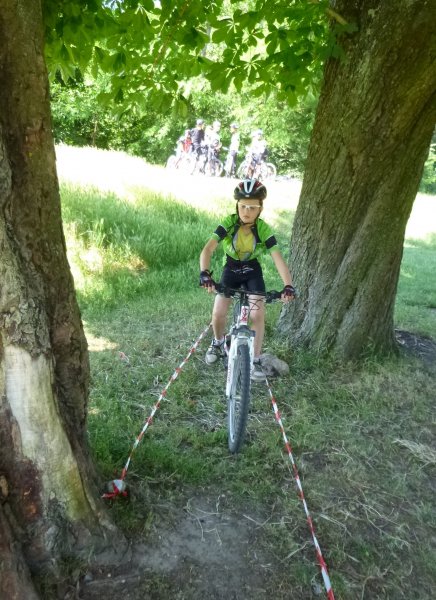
pixel 269 296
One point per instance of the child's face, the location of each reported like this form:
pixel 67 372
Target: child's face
pixel 249 210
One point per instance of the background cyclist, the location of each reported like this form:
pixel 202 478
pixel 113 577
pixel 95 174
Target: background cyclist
pixel 245 238
pixel 257 150
pixel 197 137
pixel 213 140
pixel 230 166
pixel 184 144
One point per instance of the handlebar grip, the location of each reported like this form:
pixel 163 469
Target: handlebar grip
pixel 222 289
pixel 272 295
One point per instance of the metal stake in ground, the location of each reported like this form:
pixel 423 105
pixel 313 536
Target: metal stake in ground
pixel 319 556
pixel 117 487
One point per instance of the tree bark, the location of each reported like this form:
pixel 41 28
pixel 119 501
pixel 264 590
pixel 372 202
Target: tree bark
pixel 370 139
pixel 47 491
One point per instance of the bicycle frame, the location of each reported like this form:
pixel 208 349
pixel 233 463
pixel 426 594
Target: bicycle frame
pixel 240 333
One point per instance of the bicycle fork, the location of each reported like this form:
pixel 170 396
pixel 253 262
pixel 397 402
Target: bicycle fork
pixel 240 334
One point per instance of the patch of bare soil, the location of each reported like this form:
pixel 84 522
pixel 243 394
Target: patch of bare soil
pixel 204 549
pixel 423 348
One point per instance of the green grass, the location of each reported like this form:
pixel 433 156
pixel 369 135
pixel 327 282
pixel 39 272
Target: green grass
pixel 416 298
pixel 351 426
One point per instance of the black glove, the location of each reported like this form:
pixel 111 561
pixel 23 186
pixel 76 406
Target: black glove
pixel 206 278
pixel 289 291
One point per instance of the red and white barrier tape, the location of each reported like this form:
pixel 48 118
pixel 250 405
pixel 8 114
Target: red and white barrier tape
pixel 117 485
pixel 319 556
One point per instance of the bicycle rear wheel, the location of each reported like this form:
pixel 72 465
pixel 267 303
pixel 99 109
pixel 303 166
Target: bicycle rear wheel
pixel 219 167
pixel 272 171
pixel 239 399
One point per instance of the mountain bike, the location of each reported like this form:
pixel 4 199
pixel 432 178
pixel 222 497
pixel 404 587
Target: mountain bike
pixel 213 167
pixel 183 161
pixel 206 162
pixel 249 169
pixel 240 353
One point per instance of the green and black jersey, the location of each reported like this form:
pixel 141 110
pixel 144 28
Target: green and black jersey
pixel 227 232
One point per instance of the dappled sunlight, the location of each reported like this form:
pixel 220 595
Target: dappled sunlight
pixel 98 344
pixel 82 259
pixel 90 260
pixel 93 259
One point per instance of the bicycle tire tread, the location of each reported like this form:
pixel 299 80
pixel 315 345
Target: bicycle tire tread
pixel 237 422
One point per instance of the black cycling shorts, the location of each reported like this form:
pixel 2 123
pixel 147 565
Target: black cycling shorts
pixel 248 273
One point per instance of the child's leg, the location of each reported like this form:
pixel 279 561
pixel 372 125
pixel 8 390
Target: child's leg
pixel 257 316
pixel 219 316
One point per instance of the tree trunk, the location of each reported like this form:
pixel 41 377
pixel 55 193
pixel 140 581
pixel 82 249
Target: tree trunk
pixel 370 140
pixel 46 488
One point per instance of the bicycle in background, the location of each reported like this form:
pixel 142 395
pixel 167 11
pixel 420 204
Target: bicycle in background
pixel 206 162
pixel 250 168
pixel 181 160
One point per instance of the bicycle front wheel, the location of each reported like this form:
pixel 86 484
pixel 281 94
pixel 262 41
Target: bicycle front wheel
pixel 171 162
pixel 242 171
pixel 239 399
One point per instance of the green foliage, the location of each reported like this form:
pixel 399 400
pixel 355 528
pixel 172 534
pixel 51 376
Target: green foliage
pixel 78 118
pixel 149 48
pixel 268 53
pixel 141 72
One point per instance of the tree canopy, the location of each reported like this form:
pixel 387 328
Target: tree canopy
pixel 151 49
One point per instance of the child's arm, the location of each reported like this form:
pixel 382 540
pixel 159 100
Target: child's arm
pixel 288 292
pixel 206 254
pixel 205 258
pixel 282 267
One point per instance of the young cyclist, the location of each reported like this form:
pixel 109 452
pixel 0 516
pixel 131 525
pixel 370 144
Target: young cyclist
pixel 183 146
pixel 257 151
pixel 230 166
pixel 245 238
pixel 197 137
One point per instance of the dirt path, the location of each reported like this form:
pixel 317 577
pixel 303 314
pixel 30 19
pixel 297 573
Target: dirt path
pixel 204 549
